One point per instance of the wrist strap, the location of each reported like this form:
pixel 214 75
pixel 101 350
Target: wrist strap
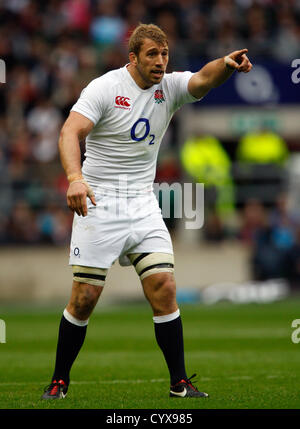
pixel 75 176
pixel 227 61
pixel 90 191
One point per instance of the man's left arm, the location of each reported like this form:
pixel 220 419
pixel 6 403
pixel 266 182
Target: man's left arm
pixel 217 72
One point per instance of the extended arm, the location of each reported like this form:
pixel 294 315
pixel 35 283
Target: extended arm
pixel 217 72
pixel 76 128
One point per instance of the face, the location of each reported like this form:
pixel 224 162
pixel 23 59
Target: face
pixel 150 64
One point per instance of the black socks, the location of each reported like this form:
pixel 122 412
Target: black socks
pixel 70 340
pixel 168 333
pixel 169 337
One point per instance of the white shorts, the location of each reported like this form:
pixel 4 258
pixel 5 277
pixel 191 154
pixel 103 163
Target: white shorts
pixel 117 227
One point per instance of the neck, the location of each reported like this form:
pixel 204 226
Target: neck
pixel 136 76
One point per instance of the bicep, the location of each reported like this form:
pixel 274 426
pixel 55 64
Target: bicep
pixel 198 85
pixel 78 124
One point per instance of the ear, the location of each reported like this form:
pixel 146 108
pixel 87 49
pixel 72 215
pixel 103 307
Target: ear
pixel 133 58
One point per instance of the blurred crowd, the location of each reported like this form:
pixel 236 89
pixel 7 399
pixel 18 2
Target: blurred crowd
pixel 53 49
pixel 274 236
pixel 271 232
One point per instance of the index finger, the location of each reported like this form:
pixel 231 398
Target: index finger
pixel 242 51
pixel 92 198
pixel 83 206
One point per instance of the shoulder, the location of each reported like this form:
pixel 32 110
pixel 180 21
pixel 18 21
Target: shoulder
pixel 176 82
pixel 177 76
pixel 97 95
pixel 176 85
pixel 106 81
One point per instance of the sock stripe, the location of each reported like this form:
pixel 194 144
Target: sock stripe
pixel 73 319
pixel 167 317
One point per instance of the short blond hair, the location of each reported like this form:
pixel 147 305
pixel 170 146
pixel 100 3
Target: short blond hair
pixel 146 31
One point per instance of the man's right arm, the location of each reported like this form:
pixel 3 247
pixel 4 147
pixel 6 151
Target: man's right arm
pixel 75 129
pixel 217 72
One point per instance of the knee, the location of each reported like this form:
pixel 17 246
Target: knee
pixel 83 300
pixel 165 287
pixel 163 298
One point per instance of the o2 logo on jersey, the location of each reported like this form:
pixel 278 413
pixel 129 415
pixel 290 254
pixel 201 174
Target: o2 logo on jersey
pixel 122 102
pixel 141 130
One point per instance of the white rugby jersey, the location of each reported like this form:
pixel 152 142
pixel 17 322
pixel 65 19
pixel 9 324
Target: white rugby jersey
pixel 129 124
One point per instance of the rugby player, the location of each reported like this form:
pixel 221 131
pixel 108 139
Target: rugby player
pixel 123 115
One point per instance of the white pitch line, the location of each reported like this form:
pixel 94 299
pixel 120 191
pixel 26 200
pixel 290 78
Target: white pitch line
pixel 242 377
pixel 155 380
pixel 158 380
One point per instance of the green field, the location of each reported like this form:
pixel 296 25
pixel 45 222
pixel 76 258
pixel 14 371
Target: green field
pixel 243 356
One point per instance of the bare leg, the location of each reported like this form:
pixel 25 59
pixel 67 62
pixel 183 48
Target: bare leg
pixel 160 290
pixel 73 326
pixel 83 299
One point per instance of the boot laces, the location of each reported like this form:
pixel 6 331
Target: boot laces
pixel 188 380
pixel 54 386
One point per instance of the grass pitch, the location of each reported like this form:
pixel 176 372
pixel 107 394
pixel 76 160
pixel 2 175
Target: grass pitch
pixel 243 355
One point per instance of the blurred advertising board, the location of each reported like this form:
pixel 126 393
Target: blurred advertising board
pixel 268 84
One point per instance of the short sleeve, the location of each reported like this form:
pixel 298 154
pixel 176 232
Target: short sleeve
pixel 90 102
pixel 178 86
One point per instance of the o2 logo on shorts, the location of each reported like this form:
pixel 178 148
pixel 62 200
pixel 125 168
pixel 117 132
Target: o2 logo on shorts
pixel 77 252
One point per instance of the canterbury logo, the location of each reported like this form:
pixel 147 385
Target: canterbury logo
pixel 122 102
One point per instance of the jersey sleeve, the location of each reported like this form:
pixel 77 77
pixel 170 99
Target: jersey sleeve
pixel 90 103
pixel 178 87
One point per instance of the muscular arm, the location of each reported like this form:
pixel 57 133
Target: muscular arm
pixel 217 72
pixel 76 128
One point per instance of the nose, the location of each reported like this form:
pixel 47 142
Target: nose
pixel 159 60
